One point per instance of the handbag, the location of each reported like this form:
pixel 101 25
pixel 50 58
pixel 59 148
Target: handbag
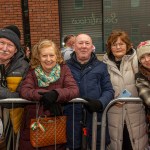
pixel 45 131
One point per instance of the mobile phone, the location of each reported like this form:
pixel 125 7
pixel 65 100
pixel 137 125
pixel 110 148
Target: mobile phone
pixel 125 93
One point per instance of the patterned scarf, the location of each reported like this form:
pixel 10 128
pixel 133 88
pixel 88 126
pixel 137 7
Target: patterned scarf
pixel 145 72
pixel 43 80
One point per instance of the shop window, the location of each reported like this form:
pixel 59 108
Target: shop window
pixel 86 20
pixel 131 16
pixel 78 4
pixel 135 3
pixel 107 3
pixel 98 18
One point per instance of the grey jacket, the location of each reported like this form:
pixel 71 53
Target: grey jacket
pixel 17 64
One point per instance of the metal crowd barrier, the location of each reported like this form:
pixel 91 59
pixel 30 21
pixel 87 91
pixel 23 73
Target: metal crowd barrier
pixel 103 123
pixel 76 100
pixel 15 101
pixel 94 122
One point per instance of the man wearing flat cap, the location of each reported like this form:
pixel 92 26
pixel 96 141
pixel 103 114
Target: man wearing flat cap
pixel 12 58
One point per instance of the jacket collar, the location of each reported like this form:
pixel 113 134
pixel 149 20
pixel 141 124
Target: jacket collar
pixel 73 60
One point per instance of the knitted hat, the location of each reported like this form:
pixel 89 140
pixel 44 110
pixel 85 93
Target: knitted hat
pixel 15 29
pixel 143 48
pixel 10 35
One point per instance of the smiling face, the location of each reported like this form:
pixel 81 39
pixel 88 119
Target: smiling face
pixel 48 59
pixel 145 60
pixel 7 50
pixel 119 49
pixel 83 48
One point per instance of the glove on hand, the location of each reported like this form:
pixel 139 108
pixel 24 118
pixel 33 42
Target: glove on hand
pixel 93 105
pixel 49 98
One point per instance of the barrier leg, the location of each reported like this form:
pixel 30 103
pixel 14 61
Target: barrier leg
pixel 94 131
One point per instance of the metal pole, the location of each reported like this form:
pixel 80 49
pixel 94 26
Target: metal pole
pixel 12 101
pixel 94 122
pixel 103 126
pixel 94 131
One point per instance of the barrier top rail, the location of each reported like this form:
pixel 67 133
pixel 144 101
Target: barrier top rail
pixel 16 100
pixel 21 100
pixel 103 126
pixel 78 100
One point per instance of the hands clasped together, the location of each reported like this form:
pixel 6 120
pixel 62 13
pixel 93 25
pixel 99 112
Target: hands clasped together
pixel 49 101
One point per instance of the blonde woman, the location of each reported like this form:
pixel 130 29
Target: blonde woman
pixel 48 75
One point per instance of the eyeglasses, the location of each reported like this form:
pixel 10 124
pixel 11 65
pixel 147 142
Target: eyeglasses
pixel 118 44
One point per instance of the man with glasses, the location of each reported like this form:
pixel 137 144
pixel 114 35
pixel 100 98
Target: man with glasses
pixel 12 58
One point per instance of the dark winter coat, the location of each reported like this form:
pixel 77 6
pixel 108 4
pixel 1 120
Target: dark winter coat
pixel 94 82
pixel 143 87
pixel 17 64
pixel 66 88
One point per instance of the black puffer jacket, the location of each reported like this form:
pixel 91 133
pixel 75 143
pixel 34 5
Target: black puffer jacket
pixel 143 86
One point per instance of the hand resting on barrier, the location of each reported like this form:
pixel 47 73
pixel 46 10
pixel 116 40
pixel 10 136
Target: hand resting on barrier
pixel 93 105
pixel 49 97
pixel 48 100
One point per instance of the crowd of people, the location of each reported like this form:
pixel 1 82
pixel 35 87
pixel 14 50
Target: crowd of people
pixel 53 77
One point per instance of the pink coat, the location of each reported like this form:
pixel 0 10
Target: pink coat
pixel 65 86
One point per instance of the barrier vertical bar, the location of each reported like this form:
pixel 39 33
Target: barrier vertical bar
pixel 12 101
pixel 94 122
pixel 94 131
pixel 103 126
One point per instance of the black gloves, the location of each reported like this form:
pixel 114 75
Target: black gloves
pixel 49 97
pixel 93 105
pixel 49 102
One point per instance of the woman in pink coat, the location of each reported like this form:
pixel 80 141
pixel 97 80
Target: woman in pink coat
pixel 49 81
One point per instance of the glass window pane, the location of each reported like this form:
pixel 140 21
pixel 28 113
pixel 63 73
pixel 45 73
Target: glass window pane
pixel 98 18
pixel 129 15
pixel 86 20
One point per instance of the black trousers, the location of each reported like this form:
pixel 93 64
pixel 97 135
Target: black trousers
pixel 126 139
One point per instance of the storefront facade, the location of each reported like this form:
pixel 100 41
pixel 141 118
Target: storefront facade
pixel 54 19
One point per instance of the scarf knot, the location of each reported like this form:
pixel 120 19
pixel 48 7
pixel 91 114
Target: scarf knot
pixel 43 79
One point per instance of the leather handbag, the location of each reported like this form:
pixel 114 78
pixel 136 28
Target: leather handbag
pixel 45 131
